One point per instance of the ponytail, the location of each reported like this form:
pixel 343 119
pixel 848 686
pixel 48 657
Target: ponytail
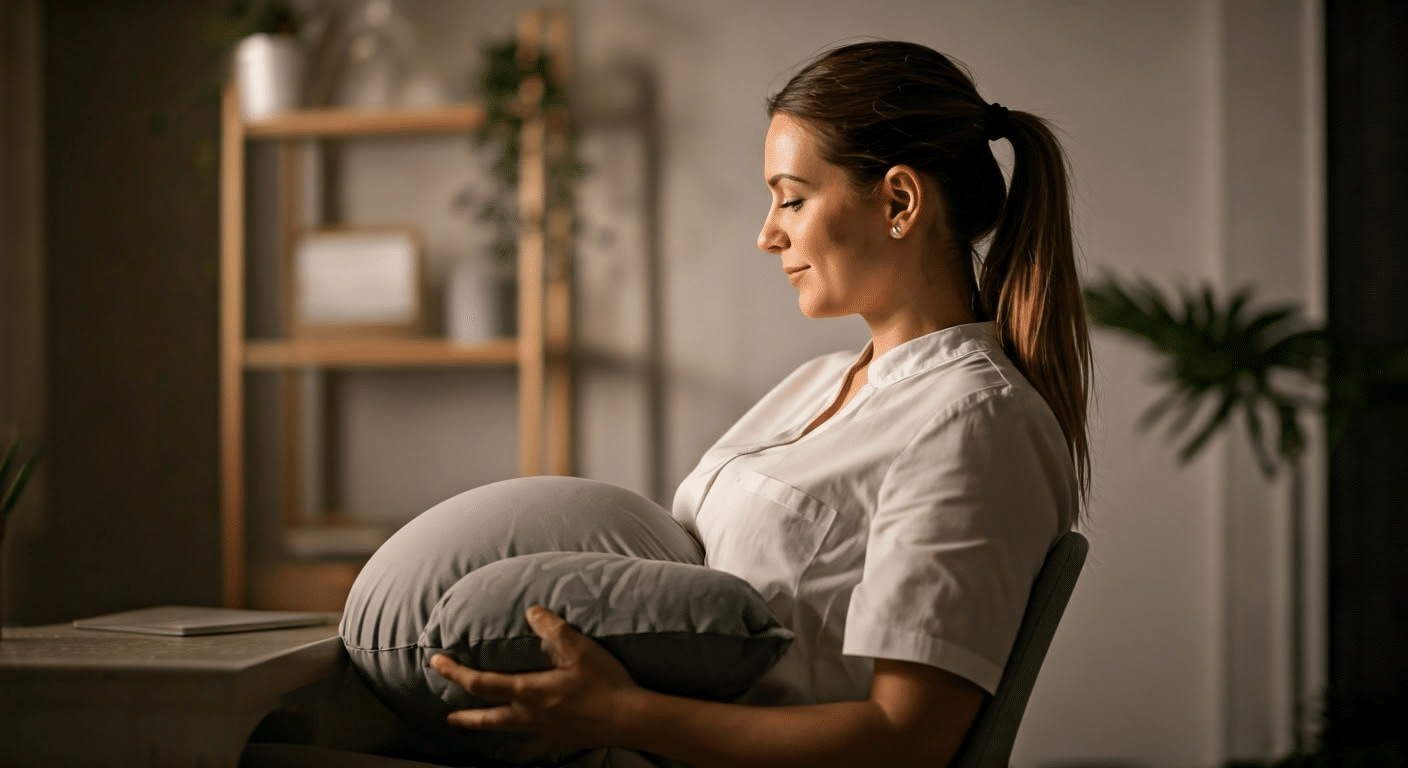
pixel 1028 284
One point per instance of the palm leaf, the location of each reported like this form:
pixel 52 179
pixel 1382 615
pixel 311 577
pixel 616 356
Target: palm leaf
pixel 1224 352
pixel 1218 418
pixel 1189 403
pixel 1292 439
pixel 1156 412
pixel 1234 311
pixel 10 489
pixel 9 459
pixel 1254 435
pixel 1302 350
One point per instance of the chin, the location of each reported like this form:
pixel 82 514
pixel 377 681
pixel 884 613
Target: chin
pixel 811 311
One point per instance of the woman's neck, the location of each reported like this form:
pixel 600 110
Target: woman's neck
pixel 920 317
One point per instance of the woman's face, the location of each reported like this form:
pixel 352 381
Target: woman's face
pixel 831 238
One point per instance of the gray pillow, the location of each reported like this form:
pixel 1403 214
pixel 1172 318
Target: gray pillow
pixel 460 576
pixel 683 629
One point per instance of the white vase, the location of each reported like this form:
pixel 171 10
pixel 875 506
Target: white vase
pixel 269 70
pixel 471 304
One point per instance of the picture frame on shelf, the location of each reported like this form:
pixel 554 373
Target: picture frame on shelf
pixel 357 282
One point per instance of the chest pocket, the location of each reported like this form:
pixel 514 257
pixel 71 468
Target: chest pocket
pixel 765 532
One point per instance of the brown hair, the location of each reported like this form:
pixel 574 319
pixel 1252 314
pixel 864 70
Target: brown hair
pixel 875 105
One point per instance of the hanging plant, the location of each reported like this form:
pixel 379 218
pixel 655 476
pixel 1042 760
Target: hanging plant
pixel 499 87
pixel 243 18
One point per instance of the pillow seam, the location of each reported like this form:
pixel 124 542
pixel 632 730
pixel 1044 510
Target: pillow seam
pixel 351 647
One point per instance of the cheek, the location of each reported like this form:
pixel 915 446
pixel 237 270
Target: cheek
pixel 838 228
pixel 848 238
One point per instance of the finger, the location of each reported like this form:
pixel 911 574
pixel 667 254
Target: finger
pixel 559 638
pixel 504 718
pixel 445 665
pixel 543 621
pixel 490 686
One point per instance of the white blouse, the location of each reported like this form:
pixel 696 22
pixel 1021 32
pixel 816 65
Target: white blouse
pixel 910 525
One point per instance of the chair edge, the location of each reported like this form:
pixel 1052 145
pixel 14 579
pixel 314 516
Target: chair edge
pixel 990 739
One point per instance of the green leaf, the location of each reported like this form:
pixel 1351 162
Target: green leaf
pixel 1233 312
pixel 9 459
pixel 1268 464
pixel 1218 418
pixel 1229 351
pixel 1292 439
pixel 1190 398
pixel 10 497
pixel 1156 412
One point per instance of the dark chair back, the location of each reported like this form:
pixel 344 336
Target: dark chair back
pixel 989 741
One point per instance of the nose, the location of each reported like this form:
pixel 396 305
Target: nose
pixel 771 238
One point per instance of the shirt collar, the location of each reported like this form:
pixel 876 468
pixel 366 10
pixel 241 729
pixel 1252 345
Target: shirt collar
pixel 931 351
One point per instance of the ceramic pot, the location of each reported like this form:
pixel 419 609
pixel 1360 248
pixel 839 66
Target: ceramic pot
pixel 471 301
pixel 269 71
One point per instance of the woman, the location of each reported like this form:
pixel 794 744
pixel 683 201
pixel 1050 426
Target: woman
pixel 893 507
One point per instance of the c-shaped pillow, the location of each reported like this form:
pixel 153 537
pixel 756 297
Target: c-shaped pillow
pixel 459 577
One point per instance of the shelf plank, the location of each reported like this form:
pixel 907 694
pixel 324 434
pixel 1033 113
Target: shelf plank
pixel 356 122
pixel 340 540
pixel 389 353
pixel 301 586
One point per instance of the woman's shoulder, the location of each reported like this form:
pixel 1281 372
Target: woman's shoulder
pixel 977 391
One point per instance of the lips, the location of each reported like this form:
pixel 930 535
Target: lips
pixel 794 270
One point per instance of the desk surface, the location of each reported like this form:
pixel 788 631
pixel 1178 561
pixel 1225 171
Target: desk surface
pixel 82 697
pixel 62 646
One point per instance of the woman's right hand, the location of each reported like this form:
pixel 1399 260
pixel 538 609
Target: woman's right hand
pixel 574 705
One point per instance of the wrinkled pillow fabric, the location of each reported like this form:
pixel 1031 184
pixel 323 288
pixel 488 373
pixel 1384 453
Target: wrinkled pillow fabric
pixel 677 628
pixel 615 564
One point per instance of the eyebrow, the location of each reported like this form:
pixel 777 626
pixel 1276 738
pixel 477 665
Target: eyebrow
pixel 780 176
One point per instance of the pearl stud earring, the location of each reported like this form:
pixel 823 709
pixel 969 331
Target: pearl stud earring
pixel 895 231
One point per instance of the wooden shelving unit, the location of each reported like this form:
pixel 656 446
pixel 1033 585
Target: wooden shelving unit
pixel 333 123
pixel 538 353
pixel 341 353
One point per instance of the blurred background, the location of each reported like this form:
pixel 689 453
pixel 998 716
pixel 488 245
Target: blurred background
pixel 1227 142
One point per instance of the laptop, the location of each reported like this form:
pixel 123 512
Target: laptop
pixel 184 621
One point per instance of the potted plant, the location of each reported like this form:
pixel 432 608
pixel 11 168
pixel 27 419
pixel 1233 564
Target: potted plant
pixel 1266 366
pixel 501 87
pixel 268 60
pixel 14 475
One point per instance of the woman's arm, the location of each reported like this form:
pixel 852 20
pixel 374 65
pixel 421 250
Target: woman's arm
pixel 916 714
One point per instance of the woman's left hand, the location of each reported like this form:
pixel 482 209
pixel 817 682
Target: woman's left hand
pixel 576 703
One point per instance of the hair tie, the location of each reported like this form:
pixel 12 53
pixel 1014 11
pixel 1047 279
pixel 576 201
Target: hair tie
pixel 995 123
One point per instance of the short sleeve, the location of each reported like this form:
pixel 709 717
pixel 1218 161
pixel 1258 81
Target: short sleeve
pixel 964 518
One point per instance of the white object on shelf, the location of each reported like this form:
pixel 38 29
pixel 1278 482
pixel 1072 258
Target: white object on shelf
pixel 357 281
pixel 269 70
pixel 471 304
pixel 335 541
pixel 381 65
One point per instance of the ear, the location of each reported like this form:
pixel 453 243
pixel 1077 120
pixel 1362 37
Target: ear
pixel 903 194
